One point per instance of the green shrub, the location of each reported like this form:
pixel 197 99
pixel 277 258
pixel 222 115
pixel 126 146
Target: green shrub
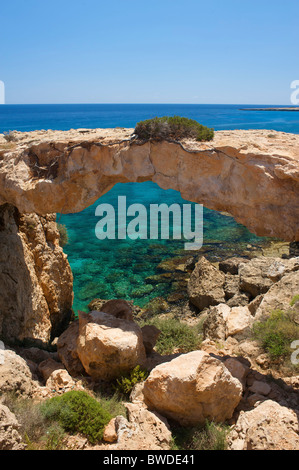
pixel 210 436
pixel 277 333
pixel 126 383
pixel 294 300
pixel 78 412
pixel 174 128
pixel 176 336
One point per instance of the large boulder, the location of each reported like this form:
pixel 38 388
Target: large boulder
pixel 269 426
pixel 205 287
pixel 10 438
pixel 280 295
pixel 193 388
pixel 108 346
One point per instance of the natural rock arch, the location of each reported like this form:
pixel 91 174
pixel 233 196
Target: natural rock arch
pixel 253 175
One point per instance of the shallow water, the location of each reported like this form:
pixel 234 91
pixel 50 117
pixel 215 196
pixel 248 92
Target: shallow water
pixel 121 268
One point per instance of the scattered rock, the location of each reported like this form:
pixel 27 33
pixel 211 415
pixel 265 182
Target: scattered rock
pixel 205 287
pixel 214 326
pixel 60 380
pixel 223 322
pixel 258 275
pixel 47 367
pixel 110 432
pixel 231 265
pixel 254 276
pixel 238 322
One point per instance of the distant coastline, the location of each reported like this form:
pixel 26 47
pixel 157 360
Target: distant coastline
pixel 270 109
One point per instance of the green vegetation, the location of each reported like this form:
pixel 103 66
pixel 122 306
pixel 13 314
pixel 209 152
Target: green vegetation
pixel 45 425
pixel 210 436
pixel 294 300
pixel 174 128
pixel 77 412
pixel 64 238
pixel 126 383
pixel 176 336
pixel 277 333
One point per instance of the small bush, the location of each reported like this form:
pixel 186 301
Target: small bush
pixel 294 300
pixel 78 412
pixel 64 238
pixel 126 383
pixel 277 333
pixel 210 436
pixel 174 128
pixel 10 136
pixel 176 336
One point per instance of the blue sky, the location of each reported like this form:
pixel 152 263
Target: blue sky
pixel 158 51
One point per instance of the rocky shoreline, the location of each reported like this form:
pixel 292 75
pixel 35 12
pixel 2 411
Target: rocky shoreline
pixel 229 379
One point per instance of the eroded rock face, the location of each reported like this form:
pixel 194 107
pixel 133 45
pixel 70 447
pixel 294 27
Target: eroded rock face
pixel 193 388
pixel 109 347
pixel 248 174
pixel 36 282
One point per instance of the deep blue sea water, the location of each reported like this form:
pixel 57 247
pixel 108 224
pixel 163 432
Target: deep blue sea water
pixel 132 269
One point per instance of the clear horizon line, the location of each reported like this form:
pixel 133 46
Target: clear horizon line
pixel 153 104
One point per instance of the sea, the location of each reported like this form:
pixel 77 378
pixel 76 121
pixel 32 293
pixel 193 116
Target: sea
pixel 143 270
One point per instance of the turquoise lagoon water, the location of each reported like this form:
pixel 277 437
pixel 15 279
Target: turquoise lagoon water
pixel 132 269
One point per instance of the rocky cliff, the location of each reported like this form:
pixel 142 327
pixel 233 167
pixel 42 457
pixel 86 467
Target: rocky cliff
pixel 253 175
pixel 36 282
